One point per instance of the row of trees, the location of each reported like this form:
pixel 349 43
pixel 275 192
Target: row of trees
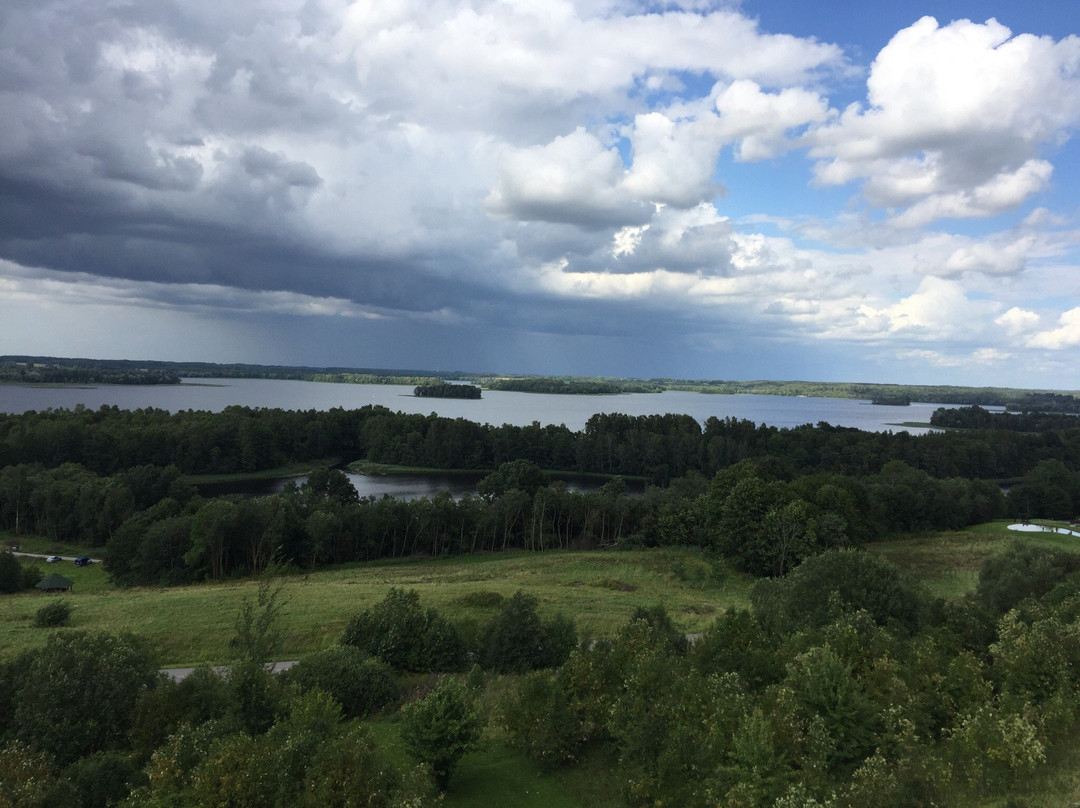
pixel 157 530
pixel 657 447
pixel 571 386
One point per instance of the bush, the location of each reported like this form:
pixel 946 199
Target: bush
pixel 517 640
pixel 441 728
pixel 1022 571
pixel 56 613
pixel 663 626
pixel 735 642
pixel 541 721
pixel 833 583
pixel 405 636
pixel 361 684
pixel 31 576
pixel 104 779
pixel 201 696
pixel 482 599
pixel 78 693
pixel 10 573
pixel 350 771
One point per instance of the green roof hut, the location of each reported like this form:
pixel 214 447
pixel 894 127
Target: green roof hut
pixel 54 583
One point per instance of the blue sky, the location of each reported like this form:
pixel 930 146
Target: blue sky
pixel 864 192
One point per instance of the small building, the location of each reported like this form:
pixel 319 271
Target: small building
pixel 54 583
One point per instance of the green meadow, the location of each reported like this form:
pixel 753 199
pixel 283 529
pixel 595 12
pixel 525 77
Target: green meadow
pixel 193 624
pixel 599 589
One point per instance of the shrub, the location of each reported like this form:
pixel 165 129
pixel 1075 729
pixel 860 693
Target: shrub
pixel 517 640
pixel 10 573
pixel 104 779
pixel 79 691
pixel 361 684
pixel 663 626
pixel 439 729
pixel 405 636
pixel 55 613
pixel 737 643
pixel 1022 571
pixel 31 576
pixel 541 721
pixel 482 599
pixel 203 695
pixel 350 771
pixel 830 584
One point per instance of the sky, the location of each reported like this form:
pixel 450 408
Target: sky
pixel 783 189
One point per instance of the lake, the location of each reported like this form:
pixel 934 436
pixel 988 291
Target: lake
pixel 496 407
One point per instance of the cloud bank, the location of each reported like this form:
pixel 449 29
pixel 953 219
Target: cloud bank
pixel 352 183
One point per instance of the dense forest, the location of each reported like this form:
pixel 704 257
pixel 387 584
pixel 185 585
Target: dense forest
pixel 447 391
pixel 75 372
pixel 763 497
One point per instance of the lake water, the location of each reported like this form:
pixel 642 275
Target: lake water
pixel 496 407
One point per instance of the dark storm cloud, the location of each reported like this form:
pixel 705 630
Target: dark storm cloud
pixel 502 178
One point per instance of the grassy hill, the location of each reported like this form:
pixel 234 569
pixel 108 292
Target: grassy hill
pixel 599 589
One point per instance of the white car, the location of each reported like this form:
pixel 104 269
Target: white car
pixel 53 559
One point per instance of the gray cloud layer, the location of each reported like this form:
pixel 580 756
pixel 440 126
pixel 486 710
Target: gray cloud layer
pixel 457 168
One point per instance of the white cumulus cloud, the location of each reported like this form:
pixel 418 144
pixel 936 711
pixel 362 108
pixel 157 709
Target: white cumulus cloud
pixel 955 120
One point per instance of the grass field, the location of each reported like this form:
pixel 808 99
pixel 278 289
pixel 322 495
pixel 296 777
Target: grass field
pixel 294 470
pixel 599 589
pixel 193 624
pixel 46 546
pixel 948 563
pixel 494 771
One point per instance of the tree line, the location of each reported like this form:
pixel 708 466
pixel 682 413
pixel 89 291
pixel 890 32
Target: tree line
pixel 571 386
pixel 656 447
pixel 773 501
pixel 156 529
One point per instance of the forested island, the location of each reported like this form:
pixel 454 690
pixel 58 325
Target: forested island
pixel 891 400
pixel 447 391
pixel 834 679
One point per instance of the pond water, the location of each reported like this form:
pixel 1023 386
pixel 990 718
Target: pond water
pixel 401 486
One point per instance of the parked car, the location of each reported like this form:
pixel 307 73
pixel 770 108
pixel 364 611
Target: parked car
pixel 82 561
pixel 53 559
